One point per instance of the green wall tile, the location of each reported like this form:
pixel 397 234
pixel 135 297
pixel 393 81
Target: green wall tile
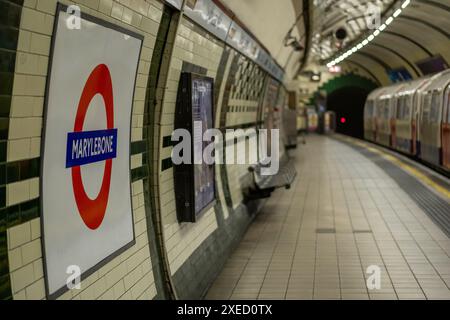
pixel 12 172
pixel 5 106
pixel 10 14
pixel 13 216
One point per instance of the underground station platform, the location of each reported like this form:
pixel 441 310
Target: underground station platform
pixel 358 209
pixel 225 158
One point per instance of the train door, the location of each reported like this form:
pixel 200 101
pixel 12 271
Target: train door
pixel 408 118
pixel 417 101
pixel 393 121
pixel 446 130
pixel 431 127
pixel 415 123
pixel 376 120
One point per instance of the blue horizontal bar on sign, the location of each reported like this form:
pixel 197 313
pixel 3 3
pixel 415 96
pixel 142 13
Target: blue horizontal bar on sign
pixel 90 146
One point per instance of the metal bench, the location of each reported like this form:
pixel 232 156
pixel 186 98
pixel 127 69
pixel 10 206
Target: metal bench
pixel 263 186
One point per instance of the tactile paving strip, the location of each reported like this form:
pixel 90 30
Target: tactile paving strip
pixel 437 208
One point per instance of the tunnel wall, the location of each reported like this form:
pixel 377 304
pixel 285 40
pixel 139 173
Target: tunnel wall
pixel 193 48
pixel 190 255
pixel 197 252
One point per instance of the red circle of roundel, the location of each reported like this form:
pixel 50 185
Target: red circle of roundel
pixel 92 211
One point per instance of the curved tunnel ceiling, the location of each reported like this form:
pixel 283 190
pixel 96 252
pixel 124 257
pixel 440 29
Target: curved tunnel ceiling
pixel 418 33
pixel 350 15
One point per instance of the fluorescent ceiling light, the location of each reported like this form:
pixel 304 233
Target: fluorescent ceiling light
pixel 372 36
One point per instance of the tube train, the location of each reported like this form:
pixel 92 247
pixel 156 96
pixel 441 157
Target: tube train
pixel 413 118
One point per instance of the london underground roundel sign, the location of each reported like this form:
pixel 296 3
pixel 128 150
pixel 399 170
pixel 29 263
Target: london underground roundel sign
pixel 85 181
pixel 89 147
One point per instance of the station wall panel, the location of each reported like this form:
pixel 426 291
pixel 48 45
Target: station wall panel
pixel 193 253
pixel 196 252
pixel 129 275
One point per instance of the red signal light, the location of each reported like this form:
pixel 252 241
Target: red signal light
pixel 343 120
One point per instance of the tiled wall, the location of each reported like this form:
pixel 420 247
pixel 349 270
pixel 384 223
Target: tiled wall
pixel 10 13
pixel 130 275
pixel 188 248
pixel 198 251
pixel 194 46
pixel 241 107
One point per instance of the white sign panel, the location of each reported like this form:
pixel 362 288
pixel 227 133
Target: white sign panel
pixel 86 199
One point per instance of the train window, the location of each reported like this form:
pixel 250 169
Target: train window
pixel 391 108
pixel 435 110
pixel 387 110
pixel 406 107
pixel 376 107
pixel 400 106
pixel 426 107
pixel 369 109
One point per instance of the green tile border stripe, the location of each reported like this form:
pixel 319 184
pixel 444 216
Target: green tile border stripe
pixel 19 170
pixel 138 147
pixel 166 164
pixel 10 16
pixel 19 214
pixel 190 67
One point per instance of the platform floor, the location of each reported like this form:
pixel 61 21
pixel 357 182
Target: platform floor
pixel 317 240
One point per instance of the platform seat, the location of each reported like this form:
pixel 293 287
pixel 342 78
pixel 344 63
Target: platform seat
pixel 263 186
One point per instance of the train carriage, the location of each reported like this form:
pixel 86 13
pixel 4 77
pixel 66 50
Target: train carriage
pixel 413 118
pixel 434 133
pixel 406 124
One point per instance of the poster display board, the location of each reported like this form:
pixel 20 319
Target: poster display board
pixel 202 112
pixel 195 190
pixel 85 186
